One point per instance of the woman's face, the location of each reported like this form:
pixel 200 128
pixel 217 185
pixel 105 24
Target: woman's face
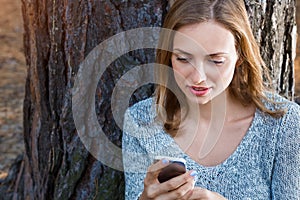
pixel 204 59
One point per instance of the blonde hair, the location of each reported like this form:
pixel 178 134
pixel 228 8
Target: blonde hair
pixel 247 85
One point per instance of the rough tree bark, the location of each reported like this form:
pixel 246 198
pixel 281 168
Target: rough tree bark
pixel 59 34
pixel 274 26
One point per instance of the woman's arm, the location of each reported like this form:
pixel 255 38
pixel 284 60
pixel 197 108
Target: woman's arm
pixel 286 171
pixel 134 166
pixel 135 157
pixel 141 178
pixel 141 174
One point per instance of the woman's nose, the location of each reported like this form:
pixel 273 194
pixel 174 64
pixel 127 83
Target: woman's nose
pixel 198 74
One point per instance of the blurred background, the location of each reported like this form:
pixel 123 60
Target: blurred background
pixel 12 82
pixel 13 75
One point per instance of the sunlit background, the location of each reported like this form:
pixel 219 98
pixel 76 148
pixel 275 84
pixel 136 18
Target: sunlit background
pixel 12 80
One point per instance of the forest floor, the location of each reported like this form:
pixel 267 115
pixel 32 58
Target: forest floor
pixel 12 82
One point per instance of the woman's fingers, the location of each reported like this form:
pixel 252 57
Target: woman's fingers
pixel 180 187
pixel 154 170
pixel 175 187
pixel 198 193
pixel 184 191
pixel 178 181
pixel 151 184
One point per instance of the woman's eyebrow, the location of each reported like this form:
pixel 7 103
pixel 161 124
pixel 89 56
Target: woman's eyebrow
pixel 217 54
pixel 209 55
pixel 182 51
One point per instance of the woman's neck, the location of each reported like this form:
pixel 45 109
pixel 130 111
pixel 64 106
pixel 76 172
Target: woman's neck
pixel 206 123
pixel 223 108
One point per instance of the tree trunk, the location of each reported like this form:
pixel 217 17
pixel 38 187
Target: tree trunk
pixel 59 35
pixel 274 26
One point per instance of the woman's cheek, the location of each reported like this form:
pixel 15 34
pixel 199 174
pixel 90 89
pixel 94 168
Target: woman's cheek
pixel 227 74
pixel 179 76
pixel 180 71
pixel 184 70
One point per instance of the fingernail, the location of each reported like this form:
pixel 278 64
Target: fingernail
pixel 164 161
pixel 193 173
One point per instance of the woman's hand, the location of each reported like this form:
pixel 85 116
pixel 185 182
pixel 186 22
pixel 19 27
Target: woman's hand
pixel 204 194
pixel 180 187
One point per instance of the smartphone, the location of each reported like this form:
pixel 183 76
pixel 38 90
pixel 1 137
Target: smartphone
pixel 176 167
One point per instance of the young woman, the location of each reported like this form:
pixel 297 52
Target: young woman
pixel 239 140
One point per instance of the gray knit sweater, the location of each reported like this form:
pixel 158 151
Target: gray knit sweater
pixel 265 165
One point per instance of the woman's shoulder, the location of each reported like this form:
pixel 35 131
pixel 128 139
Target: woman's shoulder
pixel 289 115
pixel 141 122
pixel 276 101
pixel 289 122
pixel 142 112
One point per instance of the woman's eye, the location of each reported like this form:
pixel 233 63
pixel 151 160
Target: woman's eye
pixel 182 59
pixel 217 62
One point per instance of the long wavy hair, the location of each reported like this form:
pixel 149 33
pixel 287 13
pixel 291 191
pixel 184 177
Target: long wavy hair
pixel 248 85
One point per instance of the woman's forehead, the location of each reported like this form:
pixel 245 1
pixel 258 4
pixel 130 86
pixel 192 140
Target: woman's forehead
pixel 205 38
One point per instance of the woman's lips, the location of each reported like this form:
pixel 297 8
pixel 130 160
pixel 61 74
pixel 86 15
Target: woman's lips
pixel 199 91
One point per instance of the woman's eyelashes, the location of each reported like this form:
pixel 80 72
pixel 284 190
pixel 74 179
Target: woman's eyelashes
pixel 183 59
pixel 217 62
pixel 186 59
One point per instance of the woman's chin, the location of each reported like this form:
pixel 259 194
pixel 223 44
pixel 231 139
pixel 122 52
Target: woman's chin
pixel 199 100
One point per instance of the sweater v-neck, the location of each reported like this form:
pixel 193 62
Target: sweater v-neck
pixel 231 159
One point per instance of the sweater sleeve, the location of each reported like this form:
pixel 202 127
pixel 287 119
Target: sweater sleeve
pixel 286 171
pixel 134 177
pixel 135 159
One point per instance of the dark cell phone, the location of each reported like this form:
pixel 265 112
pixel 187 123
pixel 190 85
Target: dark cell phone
pixel 175 168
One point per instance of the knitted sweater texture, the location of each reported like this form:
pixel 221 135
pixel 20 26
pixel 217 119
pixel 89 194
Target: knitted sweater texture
pixel 265 165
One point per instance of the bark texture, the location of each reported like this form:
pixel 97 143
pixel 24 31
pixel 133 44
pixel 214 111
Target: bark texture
pixel 59 34
pixel 274 26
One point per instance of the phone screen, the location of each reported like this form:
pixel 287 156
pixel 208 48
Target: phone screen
pixel 175 168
